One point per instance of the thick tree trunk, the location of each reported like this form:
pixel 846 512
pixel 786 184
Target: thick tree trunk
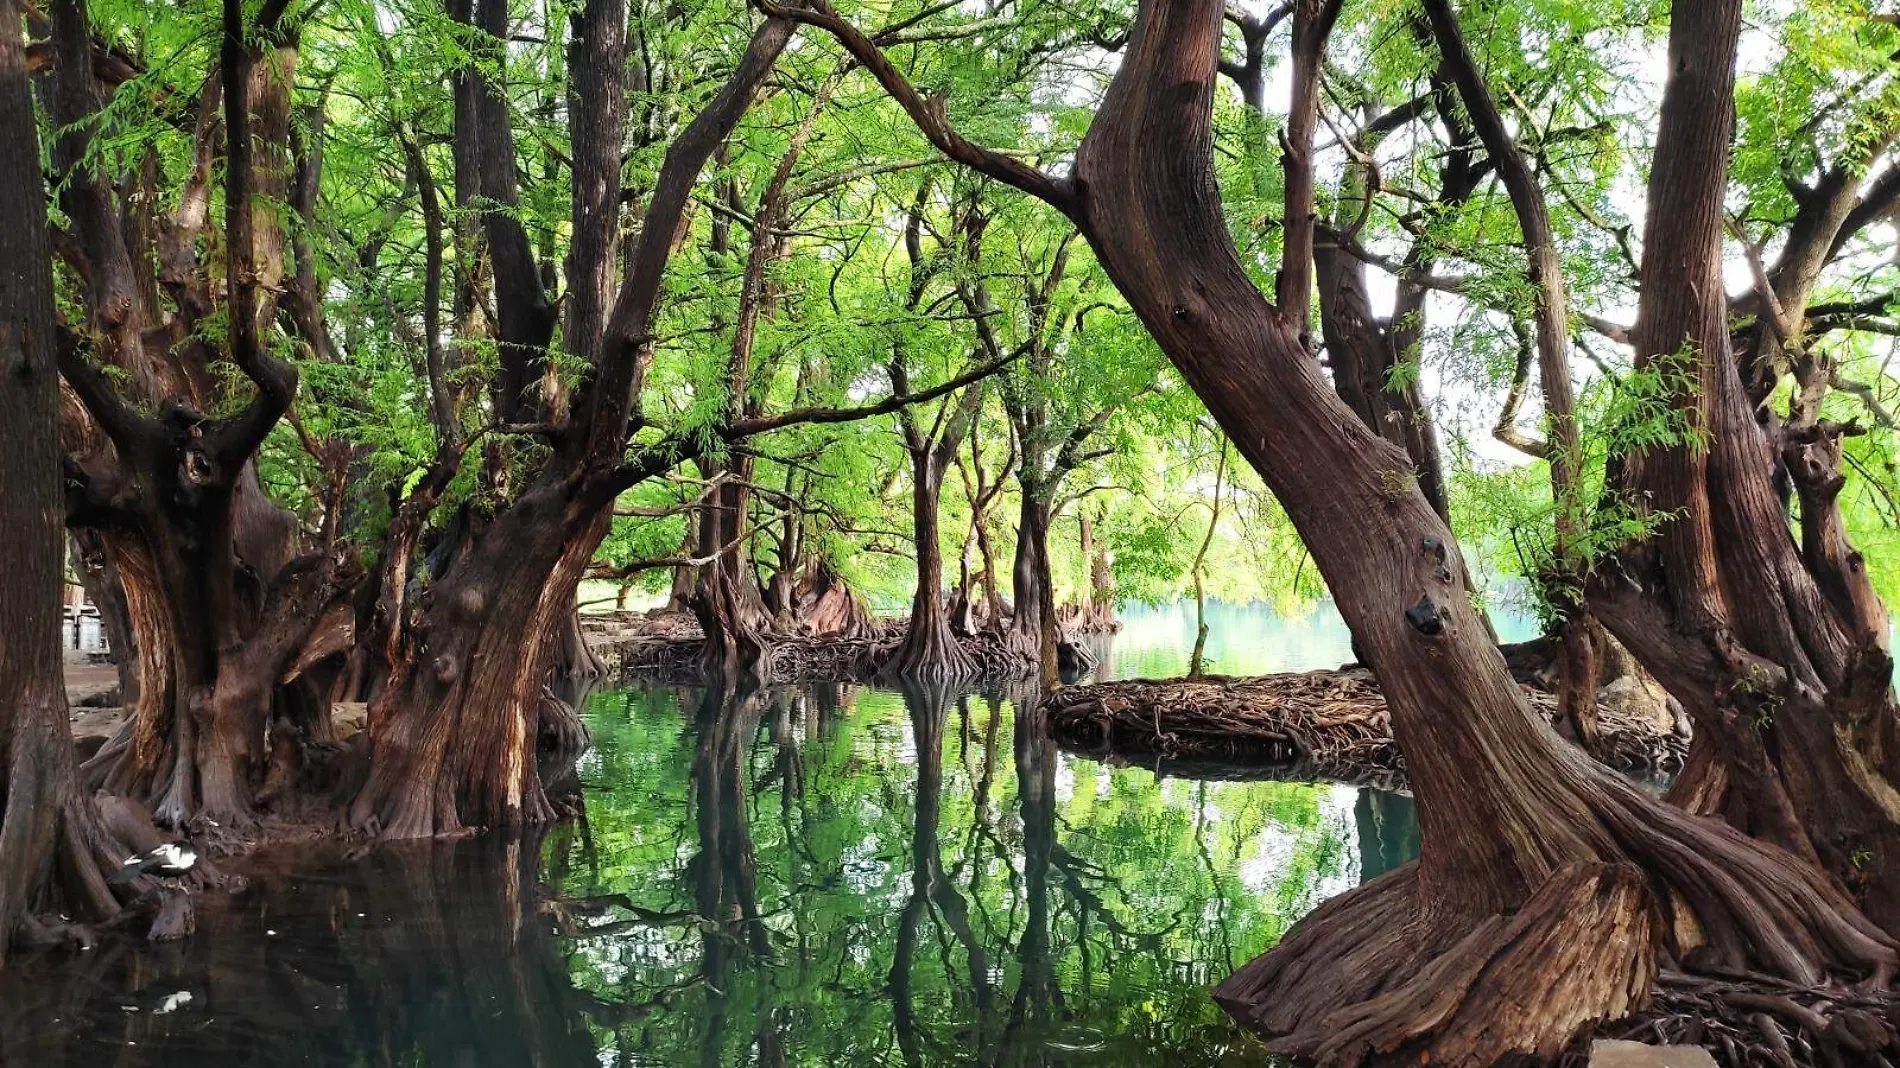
pixel 215 637
pixel 828 608
pixel 1514 824
pixel 1548 888
pixel 53 852
pixel 1033 632
pixel 1776 650
pixel 453 736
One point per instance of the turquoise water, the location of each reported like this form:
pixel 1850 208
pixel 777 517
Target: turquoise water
pixel 809 876
pixel 1156 642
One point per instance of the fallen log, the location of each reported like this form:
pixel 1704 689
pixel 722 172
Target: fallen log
pixel 1332 722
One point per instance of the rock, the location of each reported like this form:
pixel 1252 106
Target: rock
pixel 349 717
pixel 1620 1054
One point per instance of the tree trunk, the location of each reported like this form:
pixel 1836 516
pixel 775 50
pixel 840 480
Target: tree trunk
pixel 453 736
pixel 1033 633
pixel 829 609
pixel 215 633
pixel 1540 900
pixel 929 652
pixel 104 589
pixel 1776 650
pixel 726 598
pixel 54 854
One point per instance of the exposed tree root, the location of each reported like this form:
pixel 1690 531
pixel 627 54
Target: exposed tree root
pixel 1757 1022
pixel 668 646
pixel 1372 973
pixel 1333 721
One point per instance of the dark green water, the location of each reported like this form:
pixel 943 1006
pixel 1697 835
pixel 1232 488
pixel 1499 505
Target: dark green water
pixel 829 876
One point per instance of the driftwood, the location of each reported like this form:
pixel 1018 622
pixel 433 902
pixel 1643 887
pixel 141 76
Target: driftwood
pixel 1333 722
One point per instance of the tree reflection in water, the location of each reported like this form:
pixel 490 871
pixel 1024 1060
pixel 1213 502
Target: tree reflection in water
pixel 789 877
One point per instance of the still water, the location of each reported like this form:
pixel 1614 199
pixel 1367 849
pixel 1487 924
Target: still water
pixel 818 876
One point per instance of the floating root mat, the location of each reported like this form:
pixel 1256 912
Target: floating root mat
pixel 1333 721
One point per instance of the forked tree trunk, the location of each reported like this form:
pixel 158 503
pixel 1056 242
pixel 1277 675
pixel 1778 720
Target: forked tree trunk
pixel 1549 888
pixel 452 740
pixel 1514 824
pixel 200 551
pixel 1778 651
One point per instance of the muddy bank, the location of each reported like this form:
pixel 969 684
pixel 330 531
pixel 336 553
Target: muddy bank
pixel 1330 724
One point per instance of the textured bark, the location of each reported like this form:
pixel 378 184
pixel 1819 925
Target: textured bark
pixel 53 851
pixel 218 618
pixel 1364 353
pixel 1519 831
pixel 827 607
pixel 453 736
pixel 1776 650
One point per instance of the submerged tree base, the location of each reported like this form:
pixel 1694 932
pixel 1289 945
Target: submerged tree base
pixel 667 646
pixel 1333 722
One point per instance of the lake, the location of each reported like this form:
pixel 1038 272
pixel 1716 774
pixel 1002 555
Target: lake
pixel 824 875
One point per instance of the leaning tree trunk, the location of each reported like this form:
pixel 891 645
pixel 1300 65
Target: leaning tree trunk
pixel 1529 914
pixel 1549 889
pixel 53 851
pixel 929 651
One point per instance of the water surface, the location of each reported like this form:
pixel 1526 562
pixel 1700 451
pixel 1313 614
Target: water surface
pixel 809 876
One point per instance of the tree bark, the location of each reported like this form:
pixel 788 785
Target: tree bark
pixel 1776 650
pixel 1539 902
pixel 200 552
pixel 452 739
pixel 1033 631
pixel 53 851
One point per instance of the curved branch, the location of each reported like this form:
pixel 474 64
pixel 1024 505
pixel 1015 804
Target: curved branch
pixel 927 113
pixel 276 381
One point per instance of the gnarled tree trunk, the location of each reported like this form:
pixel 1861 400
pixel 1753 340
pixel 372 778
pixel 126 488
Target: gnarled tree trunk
pixel 1548 888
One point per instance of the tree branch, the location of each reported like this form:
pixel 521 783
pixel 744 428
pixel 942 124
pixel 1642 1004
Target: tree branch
pixel 929 114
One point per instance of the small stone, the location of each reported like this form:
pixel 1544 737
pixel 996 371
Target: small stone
pixel 1620 1054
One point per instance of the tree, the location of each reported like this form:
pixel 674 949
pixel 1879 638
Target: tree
pixel 1777 649
pixel 929 651
pixel 220 610
pixel 1527 845
pixel 54 851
